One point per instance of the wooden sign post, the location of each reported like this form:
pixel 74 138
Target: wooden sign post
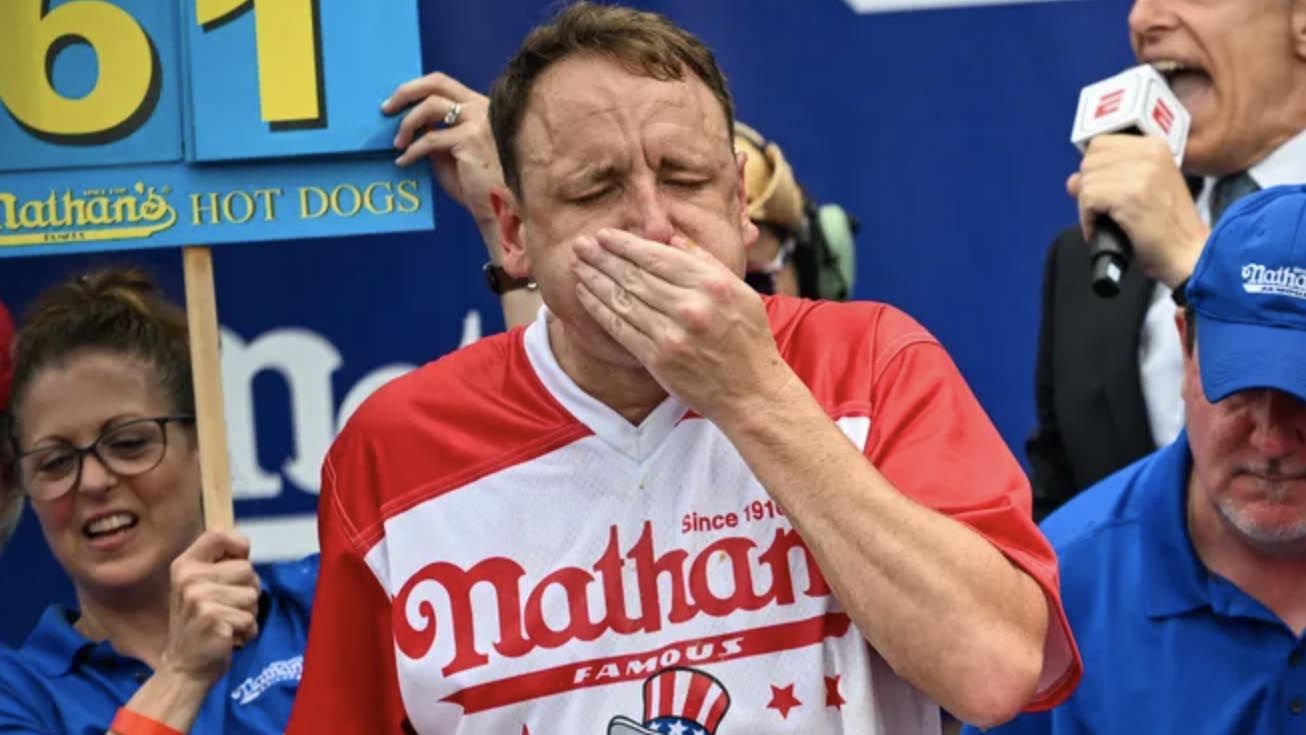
pixel 206 374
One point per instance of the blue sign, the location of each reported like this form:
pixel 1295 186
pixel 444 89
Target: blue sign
pixel 297 99
pixel 172 205
pixel 114 114
pixel 89 83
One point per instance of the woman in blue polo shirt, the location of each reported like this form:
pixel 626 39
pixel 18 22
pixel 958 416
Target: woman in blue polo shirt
pixel 175 631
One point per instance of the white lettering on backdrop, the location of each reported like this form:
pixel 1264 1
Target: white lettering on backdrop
pixel 305 362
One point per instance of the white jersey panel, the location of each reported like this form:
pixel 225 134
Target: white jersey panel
pixel 530 620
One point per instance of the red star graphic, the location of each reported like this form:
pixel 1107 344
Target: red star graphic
pixel 832 696
pixel 783 700
pixel 525 730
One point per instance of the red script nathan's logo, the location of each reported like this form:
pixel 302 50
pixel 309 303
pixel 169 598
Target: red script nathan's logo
pixel 522 627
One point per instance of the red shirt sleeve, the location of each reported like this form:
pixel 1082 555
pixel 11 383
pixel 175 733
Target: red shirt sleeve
pixel 931 439
pixel 349 683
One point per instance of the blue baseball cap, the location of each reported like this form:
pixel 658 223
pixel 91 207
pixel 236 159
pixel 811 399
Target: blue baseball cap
pixel 1249 292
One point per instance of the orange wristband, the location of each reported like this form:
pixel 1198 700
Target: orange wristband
pixel 127 722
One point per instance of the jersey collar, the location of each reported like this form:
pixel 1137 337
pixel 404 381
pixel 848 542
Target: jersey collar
pixel 636 443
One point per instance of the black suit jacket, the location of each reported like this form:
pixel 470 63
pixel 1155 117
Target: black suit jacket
pixel 1092 419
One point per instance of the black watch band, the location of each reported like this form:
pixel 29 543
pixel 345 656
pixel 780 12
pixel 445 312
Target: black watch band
pixel 500 282
pixel 1180 294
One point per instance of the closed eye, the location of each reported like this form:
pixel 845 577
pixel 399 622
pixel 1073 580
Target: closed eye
pixel 128 446
pixel 592 196
pixel 56 463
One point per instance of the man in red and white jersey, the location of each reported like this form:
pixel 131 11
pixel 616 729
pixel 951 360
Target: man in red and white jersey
pixel 669 505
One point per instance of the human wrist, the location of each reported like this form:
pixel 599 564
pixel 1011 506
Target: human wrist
pixel 129 722
pixel 760 412
pixel 1180 266
pixel 170 697
pixel 489 229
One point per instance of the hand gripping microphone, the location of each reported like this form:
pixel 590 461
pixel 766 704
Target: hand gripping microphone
pixel 1136 101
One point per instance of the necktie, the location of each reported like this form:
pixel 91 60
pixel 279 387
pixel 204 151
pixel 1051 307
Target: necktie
pixel 1229 189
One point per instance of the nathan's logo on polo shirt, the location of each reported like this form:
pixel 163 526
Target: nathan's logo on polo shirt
pixel 1283 281
pixel 91 215
pixel 728 576
pixel 274 673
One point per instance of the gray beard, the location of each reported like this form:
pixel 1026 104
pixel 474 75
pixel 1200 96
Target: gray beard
pixel 1261 536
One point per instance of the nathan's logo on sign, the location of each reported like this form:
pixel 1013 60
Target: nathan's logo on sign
pixel 524 627
pixel 91 215
pixel 256 120
pixel 147 216
pixel 1282 281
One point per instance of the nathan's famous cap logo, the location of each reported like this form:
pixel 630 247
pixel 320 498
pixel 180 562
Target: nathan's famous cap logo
pixel 94 215
pixel 1284 280
pixel 677 701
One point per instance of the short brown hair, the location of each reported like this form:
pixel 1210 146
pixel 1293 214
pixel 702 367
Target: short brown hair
pixel 117 310
pixel 647 44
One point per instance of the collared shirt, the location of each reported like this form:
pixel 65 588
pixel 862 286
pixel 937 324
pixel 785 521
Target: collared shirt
pixel 1285 165
pixel 61 682
pixel 505 554
pixel 1168 645
pixel 1160 358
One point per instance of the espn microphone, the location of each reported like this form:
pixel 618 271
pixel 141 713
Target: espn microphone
pixel 1136 101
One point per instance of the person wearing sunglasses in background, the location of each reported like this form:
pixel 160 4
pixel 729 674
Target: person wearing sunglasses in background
pixel 175 631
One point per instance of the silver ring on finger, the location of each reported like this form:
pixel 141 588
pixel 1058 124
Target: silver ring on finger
pixel 451 117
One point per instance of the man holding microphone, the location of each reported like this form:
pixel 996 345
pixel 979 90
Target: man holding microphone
pixel 1107 386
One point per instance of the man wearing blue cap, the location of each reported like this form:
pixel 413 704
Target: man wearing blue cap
pixel 1184 574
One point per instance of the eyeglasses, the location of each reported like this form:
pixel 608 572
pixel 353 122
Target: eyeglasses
pixel 126 450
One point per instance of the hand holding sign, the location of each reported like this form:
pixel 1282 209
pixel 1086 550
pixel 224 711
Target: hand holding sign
pixel 463 154
pixel 110 102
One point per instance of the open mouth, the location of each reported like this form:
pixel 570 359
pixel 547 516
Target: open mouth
pixel 110 526
pixel 1187 80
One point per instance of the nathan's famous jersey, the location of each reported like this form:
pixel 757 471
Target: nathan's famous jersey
pixel 503 554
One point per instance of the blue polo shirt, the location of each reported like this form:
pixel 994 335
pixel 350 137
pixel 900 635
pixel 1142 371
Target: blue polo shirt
pixel 60 682
pixel 1168 646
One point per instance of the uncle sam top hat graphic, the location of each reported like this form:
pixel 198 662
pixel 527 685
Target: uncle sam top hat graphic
pixel 677 701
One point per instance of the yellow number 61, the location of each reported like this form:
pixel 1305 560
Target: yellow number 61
pixel 289 77
pixel 126 87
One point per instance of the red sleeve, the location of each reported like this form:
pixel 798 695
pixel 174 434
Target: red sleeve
pixel 349 682
pixel 931 439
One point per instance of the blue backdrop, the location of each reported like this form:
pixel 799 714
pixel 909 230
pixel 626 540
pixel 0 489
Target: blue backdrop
pixel 945 131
